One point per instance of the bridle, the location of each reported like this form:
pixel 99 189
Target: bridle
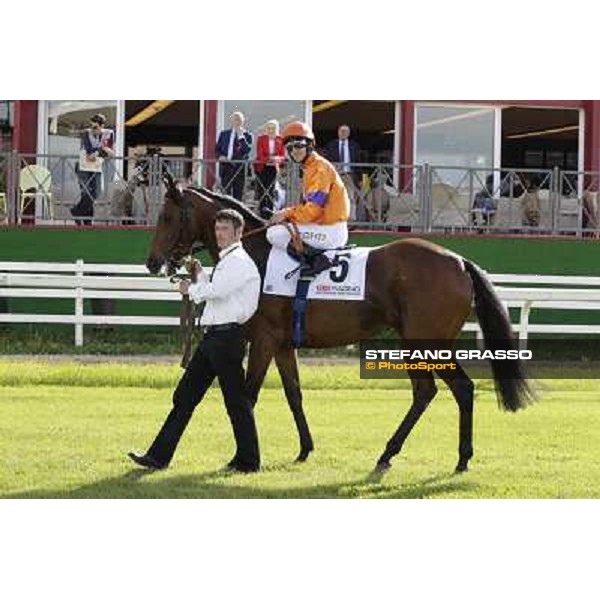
pixel 181 243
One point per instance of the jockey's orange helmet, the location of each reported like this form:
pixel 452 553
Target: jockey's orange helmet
pixel 297 130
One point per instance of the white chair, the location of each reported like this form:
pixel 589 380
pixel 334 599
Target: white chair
pixel 449 208
pixel 35 182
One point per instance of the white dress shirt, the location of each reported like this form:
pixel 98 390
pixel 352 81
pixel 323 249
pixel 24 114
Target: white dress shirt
pixel 345 156
pixel 232 139
pixel 235 135
pixel 233 290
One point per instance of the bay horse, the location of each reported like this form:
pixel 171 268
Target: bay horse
pixel 420 290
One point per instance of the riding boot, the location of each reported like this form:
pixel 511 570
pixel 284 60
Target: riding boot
pixel 317 259
pixel 312 261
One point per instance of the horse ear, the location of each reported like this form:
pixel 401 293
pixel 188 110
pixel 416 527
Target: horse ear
pixel 173 189
pixel 168 180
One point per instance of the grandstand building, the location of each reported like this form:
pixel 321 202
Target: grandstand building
pixel 537 134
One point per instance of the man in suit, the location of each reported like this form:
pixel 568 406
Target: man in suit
pixel 344 152
pixel 233 150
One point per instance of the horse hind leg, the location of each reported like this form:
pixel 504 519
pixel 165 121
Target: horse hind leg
pixel 287 364
pixel 424 390
pixel 462 389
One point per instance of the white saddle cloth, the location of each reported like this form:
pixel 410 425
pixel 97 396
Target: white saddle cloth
pixel 346 281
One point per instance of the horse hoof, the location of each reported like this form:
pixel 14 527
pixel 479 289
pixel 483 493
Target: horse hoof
pixel 382 466
pixel 304 454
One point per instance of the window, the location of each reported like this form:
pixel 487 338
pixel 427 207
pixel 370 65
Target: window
pixel 5 114
pixel 454 136
pixel 68 118
pixel 258 112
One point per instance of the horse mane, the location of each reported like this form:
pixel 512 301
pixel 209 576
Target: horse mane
pixel 228 202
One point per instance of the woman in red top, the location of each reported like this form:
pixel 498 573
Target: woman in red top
pixel 270 154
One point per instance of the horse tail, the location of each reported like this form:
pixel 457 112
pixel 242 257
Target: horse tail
pixel 512 387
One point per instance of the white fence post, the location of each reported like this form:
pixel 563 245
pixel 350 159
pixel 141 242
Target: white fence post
pixel 79 305
pixel 524 324
pixel 479 338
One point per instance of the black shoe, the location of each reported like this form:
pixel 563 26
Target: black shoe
pixel 145 460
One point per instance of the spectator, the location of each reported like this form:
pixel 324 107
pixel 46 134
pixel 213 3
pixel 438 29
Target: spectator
pixel 345 152
pixel 530 204
pixel 233 147
pixel 484 205
pixel 270 154
pixel 97 144
pixel 589 217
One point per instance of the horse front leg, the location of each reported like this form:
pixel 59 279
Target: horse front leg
pixel 286 360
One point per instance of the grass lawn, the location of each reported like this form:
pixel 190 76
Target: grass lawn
pixel 65 430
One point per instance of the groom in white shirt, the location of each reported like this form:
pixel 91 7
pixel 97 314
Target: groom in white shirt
pixel 231 294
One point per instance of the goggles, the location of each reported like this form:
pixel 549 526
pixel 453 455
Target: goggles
pixel 296 145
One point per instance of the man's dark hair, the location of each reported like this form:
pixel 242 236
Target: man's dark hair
pixel 233 216
pixel 99 118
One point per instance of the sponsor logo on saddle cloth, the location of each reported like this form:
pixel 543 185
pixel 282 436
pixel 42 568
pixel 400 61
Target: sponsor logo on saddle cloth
pixel 344 281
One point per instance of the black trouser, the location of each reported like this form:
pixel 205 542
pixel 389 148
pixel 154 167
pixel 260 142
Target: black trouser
pixel 219 354
pixel 89 184
pixel 233 178
pixel 265 190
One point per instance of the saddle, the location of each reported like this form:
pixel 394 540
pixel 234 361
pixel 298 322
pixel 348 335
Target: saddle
pixel 312 262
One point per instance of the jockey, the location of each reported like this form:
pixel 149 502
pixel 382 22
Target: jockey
pixel 322 215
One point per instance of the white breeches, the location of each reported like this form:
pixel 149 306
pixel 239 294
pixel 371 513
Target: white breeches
pixel 317 236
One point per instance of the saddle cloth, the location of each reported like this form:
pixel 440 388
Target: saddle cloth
pixel 346 281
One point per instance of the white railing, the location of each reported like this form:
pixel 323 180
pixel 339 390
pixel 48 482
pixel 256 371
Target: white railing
pixel 586 296
pixel 80 280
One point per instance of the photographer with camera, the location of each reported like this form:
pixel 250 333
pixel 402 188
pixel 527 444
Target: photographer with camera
pixel 97 145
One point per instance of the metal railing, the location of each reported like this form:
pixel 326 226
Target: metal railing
pixel 42 189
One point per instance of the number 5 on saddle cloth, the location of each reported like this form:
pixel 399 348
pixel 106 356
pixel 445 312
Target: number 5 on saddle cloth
pixel 312 262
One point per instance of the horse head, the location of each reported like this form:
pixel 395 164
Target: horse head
pixel 185 225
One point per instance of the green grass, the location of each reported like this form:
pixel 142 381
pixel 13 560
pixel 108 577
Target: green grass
pixel 65 430
pixel 41 339
pixel 59 339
